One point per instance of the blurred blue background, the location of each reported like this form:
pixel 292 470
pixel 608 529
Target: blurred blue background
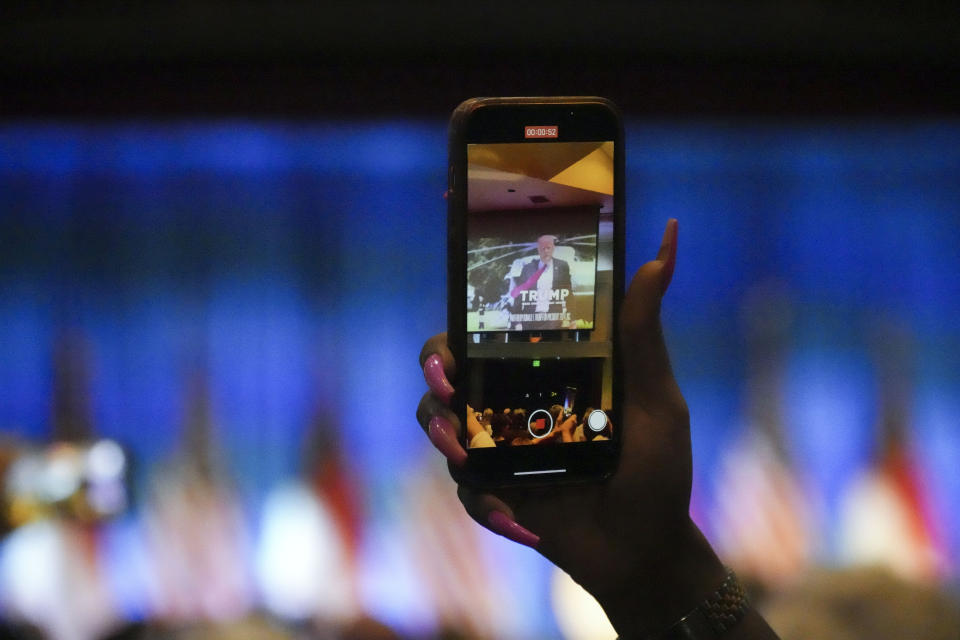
pixel 222 245
pixel 291 270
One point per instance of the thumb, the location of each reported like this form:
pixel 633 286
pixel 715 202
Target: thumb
pixel 648 376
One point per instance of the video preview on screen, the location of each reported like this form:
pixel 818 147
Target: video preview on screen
pixel 537 402
pixel 539 254
pixel 533 216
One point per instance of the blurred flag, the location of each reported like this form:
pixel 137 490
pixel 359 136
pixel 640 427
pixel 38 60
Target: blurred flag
pixel 310 533
pixel 333 484
pixel 448 552
pixel 194 528
pixel 885 520
pixel 303 562
pixel 51 577
pixel 885 515
pixel 763 522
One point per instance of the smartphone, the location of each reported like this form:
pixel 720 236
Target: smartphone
pixel 569 401
pixel 535 281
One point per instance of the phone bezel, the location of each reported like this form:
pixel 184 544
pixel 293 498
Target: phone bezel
pixel 492 120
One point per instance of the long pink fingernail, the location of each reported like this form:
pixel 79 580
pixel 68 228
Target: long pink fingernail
pixel 436 378
pixel 445 440
pixel 501 523
pixel 671 261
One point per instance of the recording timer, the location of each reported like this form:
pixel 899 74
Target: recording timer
pixel 540 131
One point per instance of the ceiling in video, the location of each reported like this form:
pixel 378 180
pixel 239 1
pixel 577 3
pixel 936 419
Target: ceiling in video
pixel 534 211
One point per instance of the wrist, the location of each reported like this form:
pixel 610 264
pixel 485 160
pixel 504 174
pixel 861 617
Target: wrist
pixel 665 588
pixel 723 610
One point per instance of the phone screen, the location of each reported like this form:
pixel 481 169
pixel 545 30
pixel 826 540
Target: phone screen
pixel 539 317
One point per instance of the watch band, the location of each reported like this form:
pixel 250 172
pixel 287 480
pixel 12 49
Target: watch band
pixel 723 609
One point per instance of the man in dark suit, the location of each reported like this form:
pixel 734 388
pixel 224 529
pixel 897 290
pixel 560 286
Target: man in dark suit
pixel 541 278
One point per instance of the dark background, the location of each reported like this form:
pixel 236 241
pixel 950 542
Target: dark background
pixel 305 59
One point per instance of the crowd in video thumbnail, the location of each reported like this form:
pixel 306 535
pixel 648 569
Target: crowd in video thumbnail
pixel 491 427
pixel 534 402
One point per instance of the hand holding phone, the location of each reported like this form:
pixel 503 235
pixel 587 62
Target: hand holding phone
pixel 628 540
pixel 536 337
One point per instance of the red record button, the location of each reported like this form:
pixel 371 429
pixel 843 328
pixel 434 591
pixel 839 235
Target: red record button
pixel 550 131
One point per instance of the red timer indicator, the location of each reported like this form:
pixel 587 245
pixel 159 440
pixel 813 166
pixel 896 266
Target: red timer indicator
pixel 540 132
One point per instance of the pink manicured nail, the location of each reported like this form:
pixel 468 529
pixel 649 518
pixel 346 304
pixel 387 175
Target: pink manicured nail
pixel 436 378
pixel 501 523
pixel 671 261
pixel 445 440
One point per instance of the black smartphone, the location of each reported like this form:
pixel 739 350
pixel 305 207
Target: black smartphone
pixel 535 278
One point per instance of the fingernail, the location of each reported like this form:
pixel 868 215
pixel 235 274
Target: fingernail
pixel 445 440
pixel 502 524
pixel 671 261
pixel 436 378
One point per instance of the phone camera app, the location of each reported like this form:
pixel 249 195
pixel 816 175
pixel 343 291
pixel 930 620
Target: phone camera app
pixel 539 290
